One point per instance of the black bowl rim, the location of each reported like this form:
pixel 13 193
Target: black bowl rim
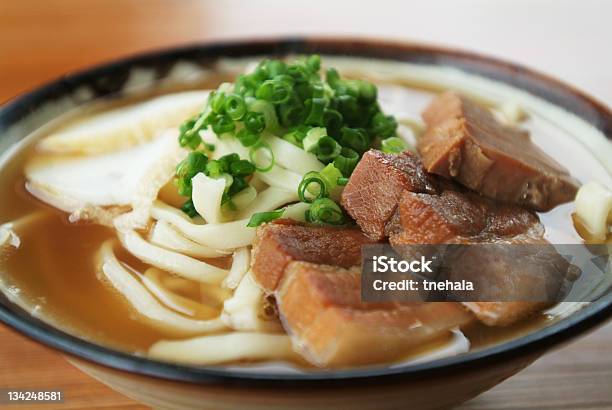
pixel 534 343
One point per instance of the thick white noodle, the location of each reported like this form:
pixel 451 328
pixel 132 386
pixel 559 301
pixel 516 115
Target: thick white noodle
pixel 178 303
pixel 268 200
pixel 244 198
pixel 243 311
pixel 281 178
pixel 147 306
pixel 179 264
pixel 228 235
pixel 230 347
pixel 457 345
pixel 240 266
pixel 166 236
pixel 207 196
pixel 293 158
pixel 594 209
pixel 228 144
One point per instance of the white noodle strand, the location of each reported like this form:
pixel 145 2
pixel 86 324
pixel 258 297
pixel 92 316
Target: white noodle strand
pixel 231 347
pixel 145 304
pixel 170 261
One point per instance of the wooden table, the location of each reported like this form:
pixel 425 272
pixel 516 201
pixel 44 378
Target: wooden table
pixel 40 40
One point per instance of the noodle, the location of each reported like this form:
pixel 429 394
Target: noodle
pixel 268 200
pixel 594 209
pixel 240 266
pixel 231 347
pixel 145 304
pixel 178 303
pixel 228 235
pixel 244 311
pixel 293 158
pixel 166 236
pixel 170 261
pixel 207 196
pixel 281 178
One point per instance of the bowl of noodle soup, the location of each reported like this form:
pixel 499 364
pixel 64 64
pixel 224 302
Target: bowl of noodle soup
pixel 162 306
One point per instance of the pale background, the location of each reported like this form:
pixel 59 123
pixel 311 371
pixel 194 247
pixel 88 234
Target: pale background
pixel 571 40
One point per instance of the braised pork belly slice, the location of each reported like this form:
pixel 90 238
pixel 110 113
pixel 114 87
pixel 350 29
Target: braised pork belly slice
pixel 515 271
pixel 376 185
pixel 321 309
pixel 465 142
pixel 454 216
pixel 281 242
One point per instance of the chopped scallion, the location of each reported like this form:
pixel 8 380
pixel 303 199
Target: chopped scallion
pixel 263 217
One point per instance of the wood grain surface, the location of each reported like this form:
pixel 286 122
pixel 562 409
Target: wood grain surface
pixel 40 40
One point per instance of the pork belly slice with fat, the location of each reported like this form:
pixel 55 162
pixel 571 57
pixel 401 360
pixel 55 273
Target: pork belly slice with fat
pixel 281 242
pixel 375 187
pixel 321 309
pixel 514 270
pixel 465 142
pixel 461 217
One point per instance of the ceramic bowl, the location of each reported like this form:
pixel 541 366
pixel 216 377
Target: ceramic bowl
pixel 436 384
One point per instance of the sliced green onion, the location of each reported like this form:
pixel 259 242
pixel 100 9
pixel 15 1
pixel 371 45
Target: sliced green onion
pixel 258 150
pixel 254 122
pixel 188 168
pixel 227 160
pixel 304 186
pixel 214 169
pixel 332 120
pixel 330 175
pixel 346 161
pixel 187 138
pixel 235 107
pixel 217 102
pixel 317 108
pixel 394 145
pixel 276 67
pixel 326 211
pixel 355 138
pixel 292 112
pixel 342 181
pixel 312 138
pixel 223 124
pixel 264 217
pixel 189 208
pixel 247 138
pixel 327 149
pixel 268 111
pixel 237 185
pixel 241 168
pixel 275 91
pixel 313 63
pixel 367 92
pixel 383 126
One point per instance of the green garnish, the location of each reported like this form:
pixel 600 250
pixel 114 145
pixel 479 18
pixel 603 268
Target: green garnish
pixel 325 211
pixel 262 149
pixel 346 161
pixel 263 217
pixel 334 118
pixel 393 145
pixel 320 191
